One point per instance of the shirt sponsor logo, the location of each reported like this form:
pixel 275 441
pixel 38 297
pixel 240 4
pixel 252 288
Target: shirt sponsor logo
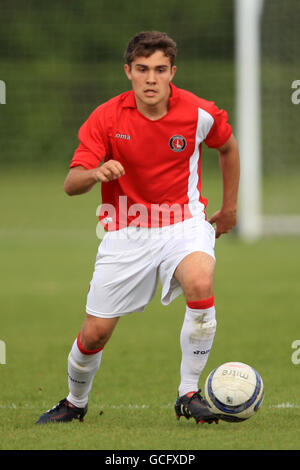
pixel 177 143
pixel 122 136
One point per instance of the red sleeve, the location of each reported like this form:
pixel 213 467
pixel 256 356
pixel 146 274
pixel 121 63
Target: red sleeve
pixel 93 143
pixel 220 130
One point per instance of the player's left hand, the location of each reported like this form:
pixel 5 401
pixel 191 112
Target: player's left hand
pixel 225 220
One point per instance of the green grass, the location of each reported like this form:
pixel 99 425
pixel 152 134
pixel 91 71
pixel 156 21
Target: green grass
pixel 48 246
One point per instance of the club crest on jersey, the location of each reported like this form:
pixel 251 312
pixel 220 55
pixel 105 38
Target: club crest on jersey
pixel 177 143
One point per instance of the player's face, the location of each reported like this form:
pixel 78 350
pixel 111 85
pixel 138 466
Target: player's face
pixel 150 78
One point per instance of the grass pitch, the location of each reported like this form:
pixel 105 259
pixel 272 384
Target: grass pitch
pixel 48 246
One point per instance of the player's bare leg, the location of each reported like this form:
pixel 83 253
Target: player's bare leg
pixel 83 362
pixel 195 274
pixel 95 331
pixel 85 357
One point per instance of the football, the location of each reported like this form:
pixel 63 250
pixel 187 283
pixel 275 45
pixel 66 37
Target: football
pixel 234 391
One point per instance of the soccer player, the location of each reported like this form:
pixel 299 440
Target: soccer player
pixel 144 148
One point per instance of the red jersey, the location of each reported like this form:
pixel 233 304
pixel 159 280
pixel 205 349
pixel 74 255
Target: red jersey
pixel 161 158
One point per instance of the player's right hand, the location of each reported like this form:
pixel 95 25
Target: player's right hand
pixel 108 171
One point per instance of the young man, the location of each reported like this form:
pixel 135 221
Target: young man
pixel 144 147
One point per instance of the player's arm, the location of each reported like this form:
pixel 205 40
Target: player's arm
pixel 226 218
pixel 81 180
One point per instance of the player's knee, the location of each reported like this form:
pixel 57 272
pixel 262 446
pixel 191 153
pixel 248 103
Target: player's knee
pixel 92 339
pixel 199 288
pixel 95 332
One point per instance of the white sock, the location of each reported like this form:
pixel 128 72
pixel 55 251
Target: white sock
pixel 196 339
pixel 82 367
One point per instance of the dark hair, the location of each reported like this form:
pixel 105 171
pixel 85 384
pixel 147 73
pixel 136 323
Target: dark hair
pixel 146 43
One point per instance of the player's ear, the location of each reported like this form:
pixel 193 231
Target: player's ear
pixel 127 70
pixel 173 71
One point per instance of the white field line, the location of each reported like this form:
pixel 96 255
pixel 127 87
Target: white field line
pixel 285 405
pixel 27 406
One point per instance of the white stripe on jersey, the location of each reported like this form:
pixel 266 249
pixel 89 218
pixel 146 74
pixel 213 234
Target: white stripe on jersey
pixel 204 124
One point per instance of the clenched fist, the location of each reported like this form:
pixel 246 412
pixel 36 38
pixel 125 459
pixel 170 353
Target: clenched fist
pixel 110 170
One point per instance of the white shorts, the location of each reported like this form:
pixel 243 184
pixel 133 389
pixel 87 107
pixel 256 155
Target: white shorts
pixel 131 261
